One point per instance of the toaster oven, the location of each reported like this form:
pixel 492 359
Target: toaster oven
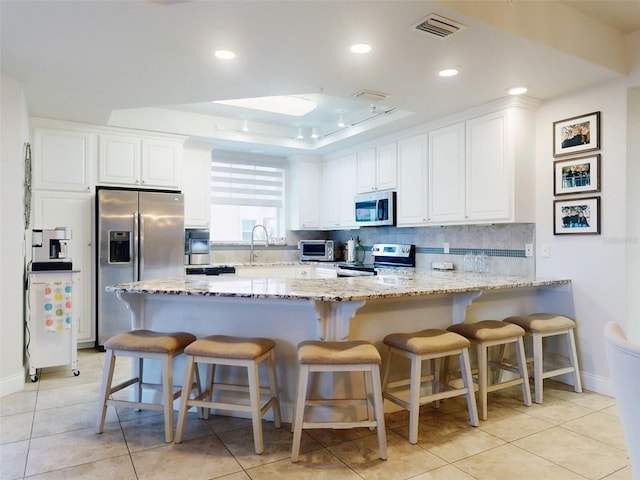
pixel 319 250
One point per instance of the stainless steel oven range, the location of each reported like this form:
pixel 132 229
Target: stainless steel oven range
pixel 385 255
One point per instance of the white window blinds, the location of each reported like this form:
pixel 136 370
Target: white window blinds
pixel 247 182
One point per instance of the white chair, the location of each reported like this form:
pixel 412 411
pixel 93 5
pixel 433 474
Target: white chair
pixel 624 367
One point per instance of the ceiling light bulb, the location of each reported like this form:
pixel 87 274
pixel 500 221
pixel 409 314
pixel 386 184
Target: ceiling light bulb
pixel 341 123
pixel 299 136
pixel 314 133
pixel 360 48
pixel 245 126
pixel 517 90
pixel 224 54
pixel 448 72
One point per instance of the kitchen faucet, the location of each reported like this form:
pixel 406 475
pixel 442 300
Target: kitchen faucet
pixel 266 240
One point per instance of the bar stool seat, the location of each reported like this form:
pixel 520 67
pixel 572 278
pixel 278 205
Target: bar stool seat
pixel 248 352
pixel 432 345
pixel 347 356
pixel 141 345
pixel 540 326
pixel 488 333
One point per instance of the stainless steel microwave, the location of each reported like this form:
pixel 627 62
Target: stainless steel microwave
pixel 319 250
pixel 375 209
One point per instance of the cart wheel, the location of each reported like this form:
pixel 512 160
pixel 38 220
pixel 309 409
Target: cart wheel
pixel 76 373
pixel 34 378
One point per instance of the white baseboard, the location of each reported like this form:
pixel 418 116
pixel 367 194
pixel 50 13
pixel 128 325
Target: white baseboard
pixel 596 383
pixel 12 384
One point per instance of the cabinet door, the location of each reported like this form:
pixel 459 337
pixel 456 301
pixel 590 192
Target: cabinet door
pixel 412 181
pixel 304 187
pixel 387 167
pixel 62 159
pixel 119 160
pixel 447 174
pixel 62 209
pixel 488 172
pixel 161 163
pixel 348 189
pixel 367 171
pixel 330 204
pixel 197 188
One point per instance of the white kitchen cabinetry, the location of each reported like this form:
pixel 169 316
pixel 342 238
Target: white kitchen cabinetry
pixel 304 189
pixel 412 181
pixel 68 209
pixel 196 181
pixel 377 169
pixel 63 159
pixel 489 169
pixel 446 185
pixel 143 162
pixel 338 191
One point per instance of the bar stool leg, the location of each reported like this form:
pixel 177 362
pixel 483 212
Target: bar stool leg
pixel 186 391
pixel 522 367
pixel 254 396
pixel 467 379
pixel 482 379
pixel 538 365
pixel 573 355
pixel 167 392
pixel 303 378
pixel 107 378
pixel 414 400
pixel 273 388
pixel 379 412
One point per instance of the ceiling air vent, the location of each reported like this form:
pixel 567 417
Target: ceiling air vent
pixel 438 26
pixel 370 96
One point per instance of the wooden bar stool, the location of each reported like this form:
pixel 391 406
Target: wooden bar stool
pixel 432 345
pixel 232 351
pixel 347 356
pixel 489 333
pixel 141 345
pixel 540 326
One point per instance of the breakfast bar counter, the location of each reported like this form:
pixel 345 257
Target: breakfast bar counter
pixel 290 310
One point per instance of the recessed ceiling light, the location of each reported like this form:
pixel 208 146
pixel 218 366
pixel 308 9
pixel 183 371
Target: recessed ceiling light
pixel 284 104
pixel 360 48
pixel 448 72
pixel 224 54
pixel 517 90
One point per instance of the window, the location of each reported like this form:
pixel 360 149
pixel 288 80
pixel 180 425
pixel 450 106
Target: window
pixel 246 192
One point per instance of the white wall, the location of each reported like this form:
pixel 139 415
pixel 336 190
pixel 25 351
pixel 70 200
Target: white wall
pixel 633 216
pixel 596 264
pixel 14 132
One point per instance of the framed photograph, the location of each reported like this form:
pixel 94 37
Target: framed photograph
pixel 576 216
pixel 576 175
pixel 576 135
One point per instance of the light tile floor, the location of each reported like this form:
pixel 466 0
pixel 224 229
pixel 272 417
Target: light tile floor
pixel 47 432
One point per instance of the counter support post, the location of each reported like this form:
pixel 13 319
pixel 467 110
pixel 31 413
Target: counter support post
pixel 334 318
pixel 461 302
pixel 135 304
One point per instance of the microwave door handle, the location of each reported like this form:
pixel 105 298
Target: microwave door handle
pixel 380 209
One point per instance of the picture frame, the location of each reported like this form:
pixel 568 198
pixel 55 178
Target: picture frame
pixel 576 175
pixel 576 216
pixel 576 135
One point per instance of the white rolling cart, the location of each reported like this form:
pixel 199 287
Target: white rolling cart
pixel 51 321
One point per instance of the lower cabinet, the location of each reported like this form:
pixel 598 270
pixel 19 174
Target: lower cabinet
pixel 67 209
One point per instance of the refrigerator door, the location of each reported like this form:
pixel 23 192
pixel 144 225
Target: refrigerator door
pixel 117 218
pixel 161 235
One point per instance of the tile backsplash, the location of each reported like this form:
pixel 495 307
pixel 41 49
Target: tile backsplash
pixel 504 244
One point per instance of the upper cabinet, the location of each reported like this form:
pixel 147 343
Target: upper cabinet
pixel 142 162
pixel 338 191
pixel 63 159
pixel 478 170
pixel 412 181
pixel 446 185
pixel 303 188
pixel 197 187
pixel 378 168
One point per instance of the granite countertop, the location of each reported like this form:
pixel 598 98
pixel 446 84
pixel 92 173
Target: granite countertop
pixel 333 289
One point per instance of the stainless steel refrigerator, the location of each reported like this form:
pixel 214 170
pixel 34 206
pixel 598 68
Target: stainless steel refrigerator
pixel 140 236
